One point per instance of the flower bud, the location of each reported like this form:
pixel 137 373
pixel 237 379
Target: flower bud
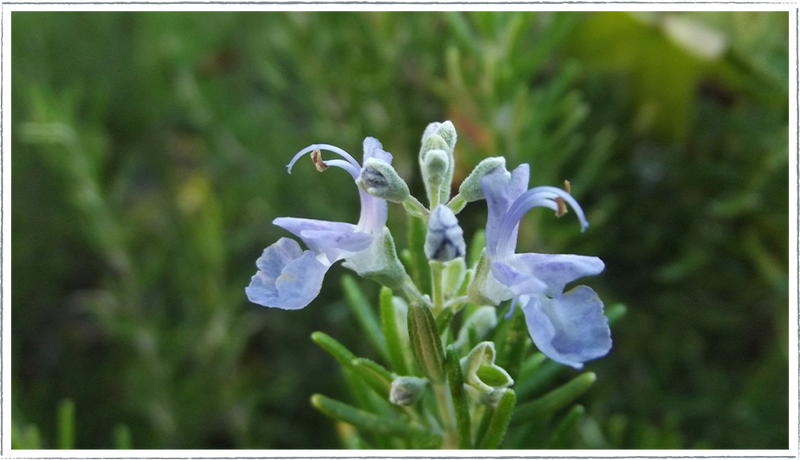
pixel 429 130
pixel 448 132
pixel 406 391
pixel 436 160
pixel 434 169
pixel 379 179
pixel 470 189
pixel 433 142
pixel 445 238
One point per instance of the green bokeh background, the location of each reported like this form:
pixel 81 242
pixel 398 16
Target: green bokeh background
pixel 148 154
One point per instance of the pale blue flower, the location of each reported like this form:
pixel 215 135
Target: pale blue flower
pixel 570 327
pixel 291 278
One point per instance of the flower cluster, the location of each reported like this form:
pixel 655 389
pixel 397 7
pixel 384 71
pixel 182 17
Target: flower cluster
pixel 569 327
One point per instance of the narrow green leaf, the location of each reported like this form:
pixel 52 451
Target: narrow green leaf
pixel 425 342
pixel 365 398
pixel 443 318
pixel 499 421
pixel 66 424
pixel 647 435
pixel 483 428
pixel 617 426
pixel 349 436
pixel 371 373
pixel 562 431
pixel 393 344
pixel 556 399
pixel 364 314
pixel 34 437
pixel 460 402
pixel 420 269
pixel 528 435
pixel 336 349
pixel 374 375
pixel 530 365
pixel 18 436
pixel 364 420
pixel 122 437
pixel 27 437
pixel 544 374
pixel 515 345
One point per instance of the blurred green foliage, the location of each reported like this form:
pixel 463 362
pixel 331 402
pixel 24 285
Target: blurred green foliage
pixel 148 163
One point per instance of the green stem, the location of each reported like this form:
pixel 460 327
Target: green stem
pixel 412 292
pixel 414 207
pixel 457 204
pixel 445 404
pixel 444 399
pixel 437 278
pixel 457 302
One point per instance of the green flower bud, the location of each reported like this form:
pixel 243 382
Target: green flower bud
pixel 433 142
pixel 406 391
pixel 436 174
pixel 379 179
pixel 448 132
pixel 470 189
pixel 434 168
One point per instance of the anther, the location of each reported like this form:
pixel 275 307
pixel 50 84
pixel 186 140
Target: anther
pixel 316 157
pixel 562 207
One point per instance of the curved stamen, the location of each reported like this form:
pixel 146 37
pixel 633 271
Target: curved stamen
pixel 373 210
pixel 346 166
pixel 543 196
pixel 331 148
